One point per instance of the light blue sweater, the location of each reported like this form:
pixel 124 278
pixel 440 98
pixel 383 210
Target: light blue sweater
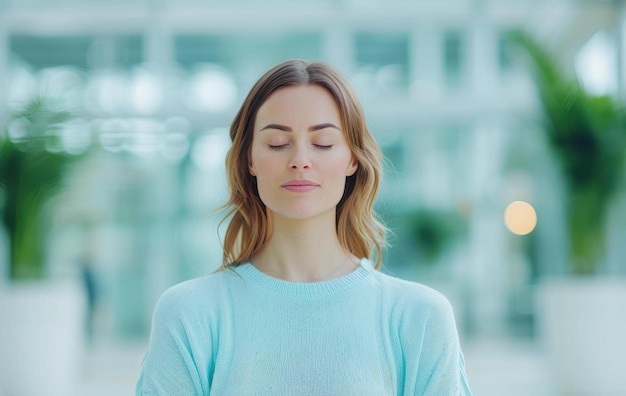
pixel 241 332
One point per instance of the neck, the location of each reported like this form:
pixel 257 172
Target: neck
pixel 304 251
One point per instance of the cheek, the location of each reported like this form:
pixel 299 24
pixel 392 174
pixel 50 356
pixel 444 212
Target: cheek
pixel 264 165
pixel 339 165
pixel 337 169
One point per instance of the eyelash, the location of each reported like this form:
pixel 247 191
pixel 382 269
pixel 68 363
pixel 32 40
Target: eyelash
pixel 318 146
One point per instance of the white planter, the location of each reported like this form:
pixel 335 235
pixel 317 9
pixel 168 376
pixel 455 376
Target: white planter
pixel 582 325
pixel 41 338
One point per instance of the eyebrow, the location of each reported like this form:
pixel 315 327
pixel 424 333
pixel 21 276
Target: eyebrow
pixel 312 128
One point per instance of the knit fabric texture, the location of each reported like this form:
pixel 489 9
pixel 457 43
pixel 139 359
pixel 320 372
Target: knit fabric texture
pixel 242 332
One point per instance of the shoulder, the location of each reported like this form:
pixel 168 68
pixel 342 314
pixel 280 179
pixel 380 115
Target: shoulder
pixel 198 293
pixel 412 294
pixel 414 305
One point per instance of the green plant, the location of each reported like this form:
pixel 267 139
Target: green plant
pixel 32 168
pixel 587 134
pixel 431 231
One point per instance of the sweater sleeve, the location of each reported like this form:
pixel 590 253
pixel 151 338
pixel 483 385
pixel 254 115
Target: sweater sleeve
pixel 435 363
pixel 170 366
pixel 447 374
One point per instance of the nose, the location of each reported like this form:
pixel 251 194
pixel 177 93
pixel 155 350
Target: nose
pixel 300 158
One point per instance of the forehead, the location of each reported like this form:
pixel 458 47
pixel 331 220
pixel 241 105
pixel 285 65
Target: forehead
pixel 311 99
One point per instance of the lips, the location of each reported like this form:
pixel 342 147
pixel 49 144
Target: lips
pixel 300 185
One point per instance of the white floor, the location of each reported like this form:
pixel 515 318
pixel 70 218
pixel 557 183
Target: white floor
pixel 112 368
pixel 494 368
pixel 507 367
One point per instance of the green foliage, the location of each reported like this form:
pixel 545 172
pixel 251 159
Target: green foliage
pixel 587 134
pixel 30 174
pixel 432 231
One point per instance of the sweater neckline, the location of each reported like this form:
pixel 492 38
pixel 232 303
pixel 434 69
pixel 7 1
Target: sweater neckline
pixel 249 272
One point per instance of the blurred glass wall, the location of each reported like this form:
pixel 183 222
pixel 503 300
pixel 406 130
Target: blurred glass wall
pixel 153 86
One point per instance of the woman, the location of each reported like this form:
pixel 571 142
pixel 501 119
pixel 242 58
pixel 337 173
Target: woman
pixel 298 308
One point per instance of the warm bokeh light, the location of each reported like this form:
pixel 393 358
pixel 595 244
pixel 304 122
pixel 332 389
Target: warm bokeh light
pixel 520 217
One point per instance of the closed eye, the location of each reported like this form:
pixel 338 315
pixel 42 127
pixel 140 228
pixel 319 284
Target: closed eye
pixel 323 147
pixel 277 147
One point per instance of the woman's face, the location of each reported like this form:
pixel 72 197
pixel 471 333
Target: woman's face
pixel 299 153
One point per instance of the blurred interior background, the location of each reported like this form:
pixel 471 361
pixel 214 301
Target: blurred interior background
pixel 502 122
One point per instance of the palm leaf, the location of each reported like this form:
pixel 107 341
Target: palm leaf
pixel 29 176
pixel 587 134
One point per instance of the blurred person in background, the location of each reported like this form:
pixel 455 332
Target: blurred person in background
pixel 299 307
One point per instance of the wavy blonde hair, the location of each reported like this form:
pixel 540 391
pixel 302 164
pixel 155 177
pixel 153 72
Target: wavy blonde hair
pixel 358 228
